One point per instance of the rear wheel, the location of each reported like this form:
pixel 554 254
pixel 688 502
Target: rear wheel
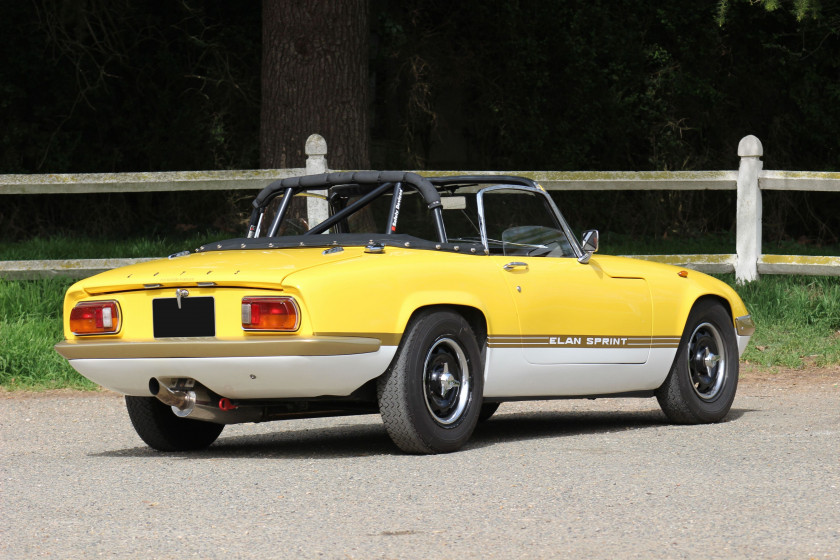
pixel 430 398
pixel 701 385
pixel 158 426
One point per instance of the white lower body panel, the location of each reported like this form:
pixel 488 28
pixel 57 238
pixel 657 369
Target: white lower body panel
pixel 579 356
pixel 507 374
pixel 255 377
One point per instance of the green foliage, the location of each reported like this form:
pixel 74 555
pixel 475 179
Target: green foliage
pixel 30 325
pixel 797 318
pixel 122 85
pixel 613 243
pixel 795 300
pixel 66 247
pixel 35 299
pixel 28 360
pixel 800 8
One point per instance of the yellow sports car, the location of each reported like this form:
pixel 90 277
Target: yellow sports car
pixel 426 300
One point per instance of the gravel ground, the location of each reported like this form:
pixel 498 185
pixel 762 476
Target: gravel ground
pixel 595 479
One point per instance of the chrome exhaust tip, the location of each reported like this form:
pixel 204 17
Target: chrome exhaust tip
pixel 182 402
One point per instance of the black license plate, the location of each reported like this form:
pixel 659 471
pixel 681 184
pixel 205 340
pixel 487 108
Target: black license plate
pixel 196 316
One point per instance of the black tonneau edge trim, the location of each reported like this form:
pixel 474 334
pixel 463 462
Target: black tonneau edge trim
pixel 339 240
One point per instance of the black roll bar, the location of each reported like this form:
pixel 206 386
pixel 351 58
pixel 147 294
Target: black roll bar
pixel 294 185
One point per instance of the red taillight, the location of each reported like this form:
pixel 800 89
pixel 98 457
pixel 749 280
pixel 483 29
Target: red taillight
pixel 95 317
pixel 269 314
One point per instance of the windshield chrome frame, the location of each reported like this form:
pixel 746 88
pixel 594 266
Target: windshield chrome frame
pixel 538 190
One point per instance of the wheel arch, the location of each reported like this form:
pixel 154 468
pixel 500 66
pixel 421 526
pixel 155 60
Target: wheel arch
pixel 725 303
pixel 473 315
pixel 679 316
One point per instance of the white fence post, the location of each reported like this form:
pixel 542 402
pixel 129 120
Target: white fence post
pixel 748 215
pixel 316 163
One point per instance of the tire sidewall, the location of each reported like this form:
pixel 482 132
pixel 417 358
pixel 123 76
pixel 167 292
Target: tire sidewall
pixel 711 410
pixel 427 330
pixel 160 429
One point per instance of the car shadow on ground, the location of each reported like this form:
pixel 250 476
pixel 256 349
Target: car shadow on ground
pixel 370 438
pixel 549 424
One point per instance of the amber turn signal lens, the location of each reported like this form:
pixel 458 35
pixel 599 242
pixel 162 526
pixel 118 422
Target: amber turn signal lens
pixel 269 314
pixel 95 317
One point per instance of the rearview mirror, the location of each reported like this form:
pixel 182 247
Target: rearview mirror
pixel 589 244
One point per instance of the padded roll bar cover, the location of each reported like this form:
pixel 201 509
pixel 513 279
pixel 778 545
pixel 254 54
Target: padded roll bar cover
pixel 327 180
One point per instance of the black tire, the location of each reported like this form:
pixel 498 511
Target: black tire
pixel 158 426
pixel 431 396
pixel 702 382
pixel 488 409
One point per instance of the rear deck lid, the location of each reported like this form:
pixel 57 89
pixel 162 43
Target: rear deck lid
pixel 253 268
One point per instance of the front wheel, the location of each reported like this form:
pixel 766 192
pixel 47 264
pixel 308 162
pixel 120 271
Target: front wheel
pixel 430 398
pixel 158 426
pixel 701 385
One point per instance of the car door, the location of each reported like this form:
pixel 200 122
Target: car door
pixel 569 313
pixel 572 313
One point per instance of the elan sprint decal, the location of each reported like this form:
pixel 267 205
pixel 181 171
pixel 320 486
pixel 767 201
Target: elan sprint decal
pixel 582 341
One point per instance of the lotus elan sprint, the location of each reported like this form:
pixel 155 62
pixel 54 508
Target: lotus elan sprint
pixel 428 300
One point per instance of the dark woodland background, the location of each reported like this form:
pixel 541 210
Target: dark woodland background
pixel 130 85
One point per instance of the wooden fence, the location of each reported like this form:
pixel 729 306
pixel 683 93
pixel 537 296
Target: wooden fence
pixel 749 180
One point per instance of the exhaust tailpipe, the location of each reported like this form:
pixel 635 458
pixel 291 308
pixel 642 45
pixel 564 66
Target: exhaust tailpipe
pixel 182 402
pixel 201 407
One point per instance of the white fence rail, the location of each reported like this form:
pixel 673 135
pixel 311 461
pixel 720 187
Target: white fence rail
pixel 750 179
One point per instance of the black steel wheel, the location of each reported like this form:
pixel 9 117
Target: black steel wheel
pixel 704 377
pixel 158 426
pixel 430 397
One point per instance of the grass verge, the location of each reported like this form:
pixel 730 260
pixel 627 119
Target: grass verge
pixel 64 247
pixel 30 325
pixel 797 317
pixel 706 244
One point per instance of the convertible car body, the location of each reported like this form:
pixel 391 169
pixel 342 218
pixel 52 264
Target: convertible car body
pixel 427 300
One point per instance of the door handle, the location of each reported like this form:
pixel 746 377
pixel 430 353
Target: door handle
pixel 515 265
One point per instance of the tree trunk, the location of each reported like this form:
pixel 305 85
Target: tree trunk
pixel 315 80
